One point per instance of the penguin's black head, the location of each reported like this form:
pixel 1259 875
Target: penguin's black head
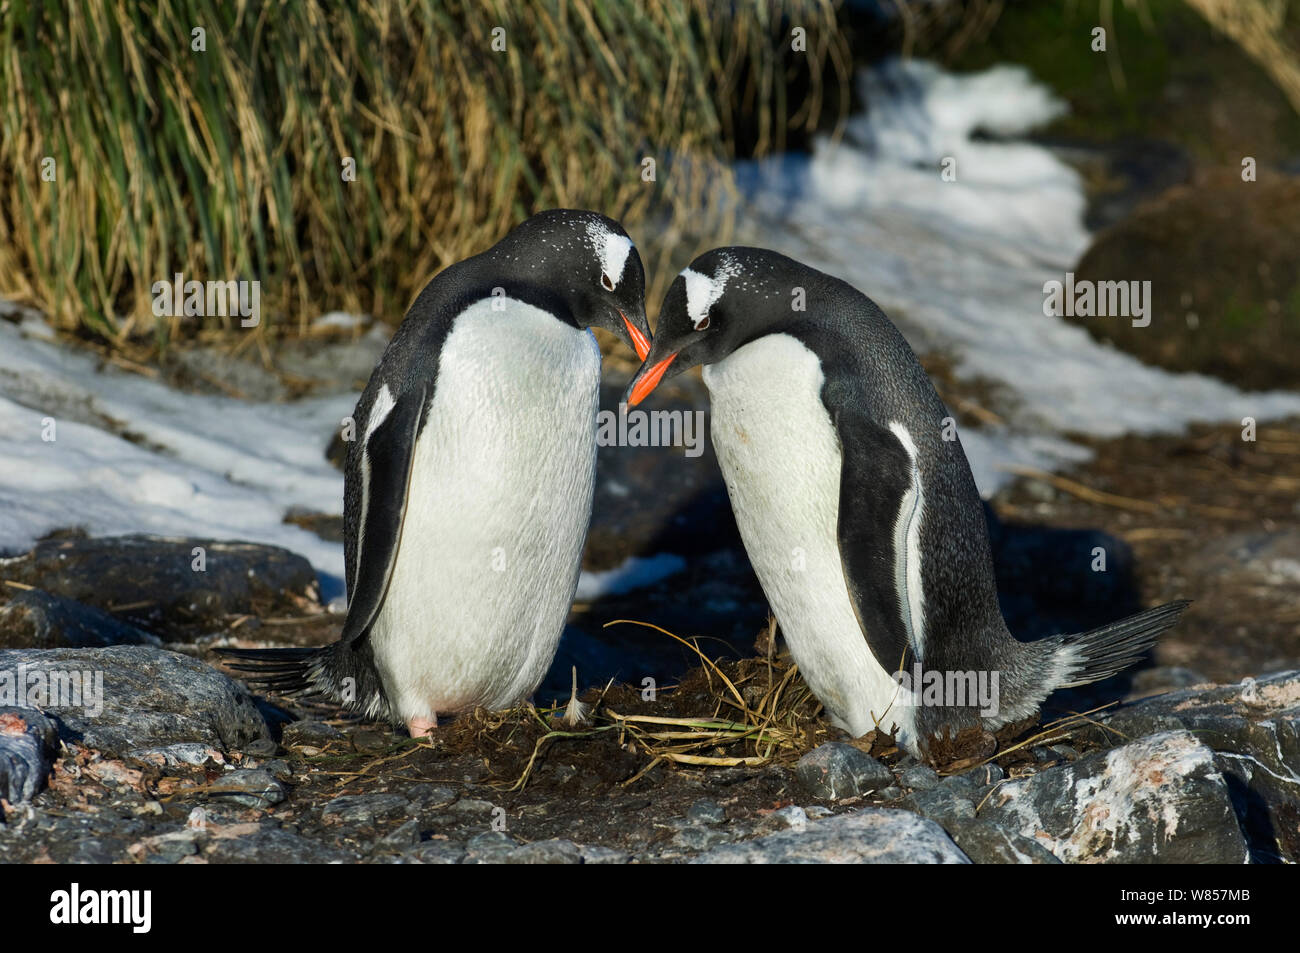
pixel 598 269
pixel 726 298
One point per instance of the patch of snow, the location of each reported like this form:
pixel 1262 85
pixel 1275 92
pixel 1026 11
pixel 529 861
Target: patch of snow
pixel 636 572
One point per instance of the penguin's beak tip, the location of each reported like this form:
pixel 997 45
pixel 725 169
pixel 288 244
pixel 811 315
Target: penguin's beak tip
pixel 646 380
pixel 640 343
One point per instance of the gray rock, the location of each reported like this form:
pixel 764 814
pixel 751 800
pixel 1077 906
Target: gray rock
pixel 309 734
pixel 701 838
pixel 132 697
pixel 402 837
pixel 987 843
pixel 364 808
pixel 1253 558
pixel 434 852
pixel 1254 729
pixel 554 851
pixel 249 787
pixel 28 743
pixel 35 619
pixel 473 807
pixel 156 577
pixel 595 854
pixel 919 777
pixel 1158 800
pixel 267 844
pixel 868 836
pixel 945 803
pixel 182 754
pixel 429 797
pixel 490 847
pixel 705 811
pixel 834 771
pixel 791 818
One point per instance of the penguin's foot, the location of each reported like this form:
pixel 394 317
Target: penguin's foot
pixel 421 727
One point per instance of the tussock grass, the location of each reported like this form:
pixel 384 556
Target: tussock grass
pixel 227 164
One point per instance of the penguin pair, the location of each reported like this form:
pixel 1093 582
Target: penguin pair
pixel 857 506
pixel 468 493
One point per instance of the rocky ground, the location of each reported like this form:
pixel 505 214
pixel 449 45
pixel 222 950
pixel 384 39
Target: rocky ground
pixel 723 762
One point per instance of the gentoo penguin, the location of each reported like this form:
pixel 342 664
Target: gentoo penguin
pixel 857 506
pixel 468 491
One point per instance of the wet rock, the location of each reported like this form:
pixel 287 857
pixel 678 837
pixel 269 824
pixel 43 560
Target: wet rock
pixel 834 770
pixel 986 843
pixel 869 836
pixel 248 787
pixel 28 743
pixel 1157 800
pixel 364 808
pixel 554 851
pixel 123 698
pixel 156 578
pixel 1254 729
pixel 35 619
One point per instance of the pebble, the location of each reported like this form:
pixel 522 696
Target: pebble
pixel 834 771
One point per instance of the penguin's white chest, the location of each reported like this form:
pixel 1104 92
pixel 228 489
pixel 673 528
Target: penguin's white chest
pixel 780 457
pixel 498 505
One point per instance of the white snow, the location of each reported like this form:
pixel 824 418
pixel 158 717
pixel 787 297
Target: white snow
pixel 636 572
pixel 200 465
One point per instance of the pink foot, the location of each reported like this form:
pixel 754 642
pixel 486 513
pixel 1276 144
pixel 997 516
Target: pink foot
pixel 421 727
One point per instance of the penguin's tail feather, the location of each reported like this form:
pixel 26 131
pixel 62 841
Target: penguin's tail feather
pixel 283 671
pixel 337 672
pixel 1091 656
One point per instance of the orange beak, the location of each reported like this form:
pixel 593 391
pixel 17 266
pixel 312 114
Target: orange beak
pixel 639 342
pixel 649 381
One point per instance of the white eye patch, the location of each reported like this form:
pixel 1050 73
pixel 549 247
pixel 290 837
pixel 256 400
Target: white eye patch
pixel 612 250
pixel 703 291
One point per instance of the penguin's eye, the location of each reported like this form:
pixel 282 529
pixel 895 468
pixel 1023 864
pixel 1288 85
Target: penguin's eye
pixel 607 282
pixel 702 324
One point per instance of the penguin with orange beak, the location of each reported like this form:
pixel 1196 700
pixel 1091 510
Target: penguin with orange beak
pixel 468 493
pixel 857 506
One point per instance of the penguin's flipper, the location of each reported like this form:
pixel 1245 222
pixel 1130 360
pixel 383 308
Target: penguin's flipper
pixel 875 480
pixel 386 460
